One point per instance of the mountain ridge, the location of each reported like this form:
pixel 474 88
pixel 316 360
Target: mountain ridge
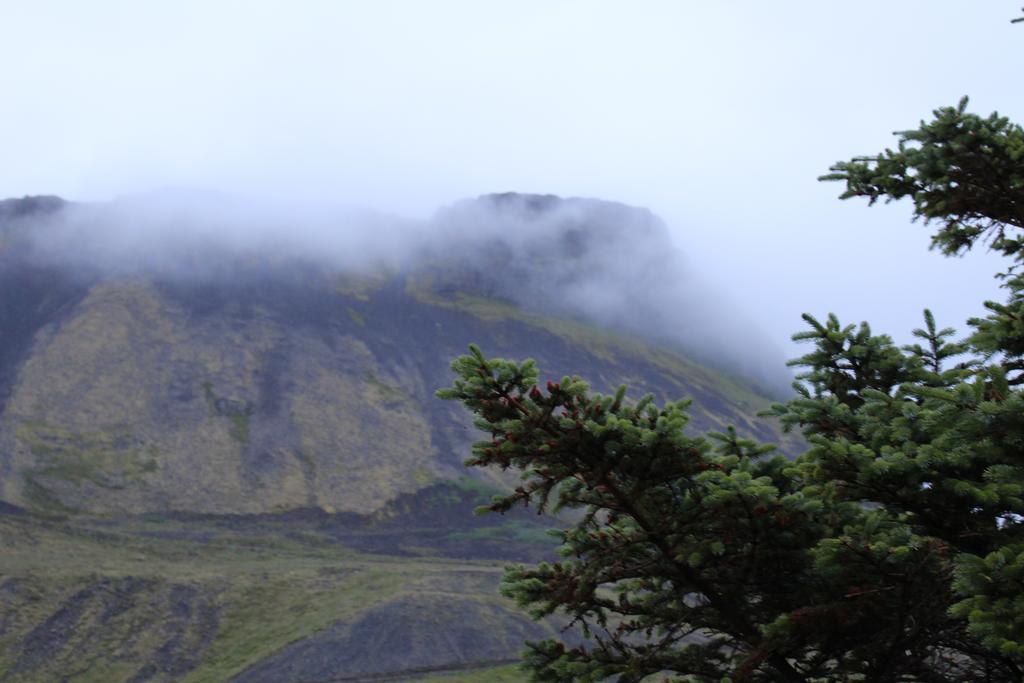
pixel 270 388
pixel 221 457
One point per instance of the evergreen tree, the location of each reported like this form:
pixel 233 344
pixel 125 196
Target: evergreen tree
pixel 892 550
pixel 942 450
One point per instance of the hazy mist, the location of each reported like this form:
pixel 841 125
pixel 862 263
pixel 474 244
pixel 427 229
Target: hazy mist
pixel 592 260
pixel 718 117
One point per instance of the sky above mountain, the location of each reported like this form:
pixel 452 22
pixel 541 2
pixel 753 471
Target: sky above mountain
pixel 716 116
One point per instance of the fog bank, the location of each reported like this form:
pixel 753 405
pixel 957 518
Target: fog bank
pixel 602 262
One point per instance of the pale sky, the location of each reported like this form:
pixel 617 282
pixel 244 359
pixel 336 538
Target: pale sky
pixel 717 116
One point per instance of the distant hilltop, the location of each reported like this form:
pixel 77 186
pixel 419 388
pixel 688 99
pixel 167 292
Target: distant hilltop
pixel 223 360
pixel 29 206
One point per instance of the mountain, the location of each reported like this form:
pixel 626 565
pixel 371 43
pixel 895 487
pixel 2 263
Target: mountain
pixel 196 397
pixel 254 383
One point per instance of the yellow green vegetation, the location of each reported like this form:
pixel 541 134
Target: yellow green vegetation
pixel 355 316
pixel 510 673
pixel 131 376
pixel 110 459
pixel 385 393
pixel 243 409
pixel 512 531
pixel 359 286
pixel 262 615
pixel 599 343
pixel 719 400
pixel 102 599
pixel 240 428
pixel 384 436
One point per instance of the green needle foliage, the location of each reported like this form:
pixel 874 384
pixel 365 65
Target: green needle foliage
pixel 961 171
pixel 892 550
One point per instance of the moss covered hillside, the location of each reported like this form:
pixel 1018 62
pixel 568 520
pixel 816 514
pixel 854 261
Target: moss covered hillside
pixel 278 388
pixel 229 464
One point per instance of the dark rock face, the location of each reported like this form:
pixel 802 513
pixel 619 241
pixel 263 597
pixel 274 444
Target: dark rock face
pixel 32 297
pixel 261 382
pixel 109 609
pixel 282 496
pixel 416 635
pixel 536 249
pixel 27 207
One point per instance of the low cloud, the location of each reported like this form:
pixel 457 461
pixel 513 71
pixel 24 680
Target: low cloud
pixel 598 261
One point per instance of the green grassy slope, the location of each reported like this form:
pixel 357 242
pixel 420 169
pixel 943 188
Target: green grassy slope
pixel 268 395
pixel 164 600
pixel 248 477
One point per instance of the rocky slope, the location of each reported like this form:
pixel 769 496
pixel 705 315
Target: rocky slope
pixel 277 383
pixel 304 596
pixel 221 457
